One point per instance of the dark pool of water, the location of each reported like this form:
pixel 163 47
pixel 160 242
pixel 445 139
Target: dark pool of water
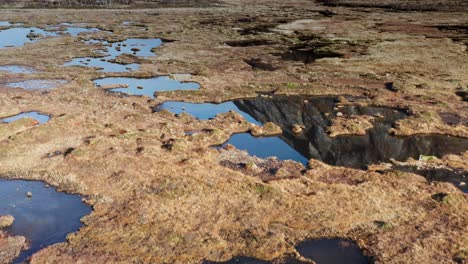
pixel 16 37
pixel 203 111
pixel 332 251
pixel 136 47
pixel 321 251
pixel 37 84
pixel 41 118
pixel 44 219
pixel 16 69
pixel 146 87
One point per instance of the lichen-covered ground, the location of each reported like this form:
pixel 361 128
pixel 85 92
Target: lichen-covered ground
pixel 161 196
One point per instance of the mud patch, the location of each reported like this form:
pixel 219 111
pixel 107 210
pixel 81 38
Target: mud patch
pixel 332 251
pixel 452 119
pixel 42 215
pixel 144 87
pixel 249 42
pixel 41 118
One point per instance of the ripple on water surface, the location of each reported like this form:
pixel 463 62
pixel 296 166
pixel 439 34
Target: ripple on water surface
pixel 144 87
pixel 44 219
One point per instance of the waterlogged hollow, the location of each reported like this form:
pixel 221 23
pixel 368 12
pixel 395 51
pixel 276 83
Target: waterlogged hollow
pixel 264 147
pixel 16 69
pixel 74 31
pixel 45 218
pixel 332 251
pixel 103 64
pixel 321 251
pixel 108 62
pixel 41 118
pixel 203 111
pixel 16 37
pixel 37 84
pixel 5 24
pixel 144 87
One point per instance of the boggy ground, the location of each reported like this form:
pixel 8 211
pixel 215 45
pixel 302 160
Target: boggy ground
pixel 161 196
